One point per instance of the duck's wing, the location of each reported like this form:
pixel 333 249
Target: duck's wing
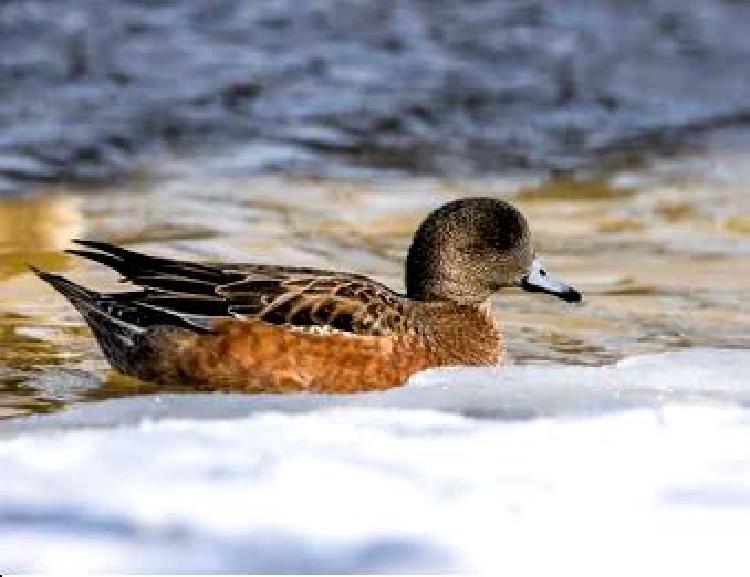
pixel 300 297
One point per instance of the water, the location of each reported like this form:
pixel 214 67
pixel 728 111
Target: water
pixel 661 252
pixel 89 91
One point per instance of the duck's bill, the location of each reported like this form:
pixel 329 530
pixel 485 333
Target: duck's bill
pixel 540 282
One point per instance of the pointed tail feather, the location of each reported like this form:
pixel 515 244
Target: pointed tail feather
pixel 114 335
pixel 131 264
pixel 75 293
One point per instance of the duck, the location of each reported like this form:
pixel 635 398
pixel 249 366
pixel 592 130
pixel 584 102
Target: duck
pixel 261 328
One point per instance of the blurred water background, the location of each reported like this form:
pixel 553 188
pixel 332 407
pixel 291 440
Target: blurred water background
pixel 320 133
pixel 90 90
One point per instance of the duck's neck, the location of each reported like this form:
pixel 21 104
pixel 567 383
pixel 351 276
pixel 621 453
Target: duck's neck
pixel 461 334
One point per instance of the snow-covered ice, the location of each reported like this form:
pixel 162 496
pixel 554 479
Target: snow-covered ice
pixel 639 467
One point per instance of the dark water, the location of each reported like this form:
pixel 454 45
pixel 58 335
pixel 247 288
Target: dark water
pixel 89 88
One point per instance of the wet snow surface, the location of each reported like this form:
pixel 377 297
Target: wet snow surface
pixel 644 464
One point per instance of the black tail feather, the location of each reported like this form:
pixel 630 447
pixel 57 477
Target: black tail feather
pixel 101 258
pixel 128 313
pixel 75 293
pixel 115 336
pixel 132 265
pixel 109 248
pixel 125 262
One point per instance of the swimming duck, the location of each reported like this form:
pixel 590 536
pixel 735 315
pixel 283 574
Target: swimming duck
pixel 261 328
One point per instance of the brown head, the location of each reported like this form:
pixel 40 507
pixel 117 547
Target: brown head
pixel 470 248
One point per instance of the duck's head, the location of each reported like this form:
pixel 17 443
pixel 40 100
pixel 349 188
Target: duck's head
pixel 470 248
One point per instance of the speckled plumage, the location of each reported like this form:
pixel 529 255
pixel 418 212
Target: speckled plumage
pixel 261 328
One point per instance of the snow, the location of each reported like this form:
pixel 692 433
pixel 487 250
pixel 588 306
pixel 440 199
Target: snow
pixel 641 466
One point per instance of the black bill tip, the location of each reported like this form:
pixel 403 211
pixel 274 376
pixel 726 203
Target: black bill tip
pixel 539 281
pixel 568 294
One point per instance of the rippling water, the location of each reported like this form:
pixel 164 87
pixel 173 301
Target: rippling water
pixel 661 252
pixel 428 86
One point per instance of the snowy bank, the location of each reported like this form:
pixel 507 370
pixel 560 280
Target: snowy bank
pixel 639 465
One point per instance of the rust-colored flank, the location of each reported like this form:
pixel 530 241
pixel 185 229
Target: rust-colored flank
pixel 274 329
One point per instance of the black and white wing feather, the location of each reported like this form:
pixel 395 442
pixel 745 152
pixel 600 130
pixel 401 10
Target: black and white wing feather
pixel 198 294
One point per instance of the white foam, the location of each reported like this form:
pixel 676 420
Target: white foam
pixel 638 468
